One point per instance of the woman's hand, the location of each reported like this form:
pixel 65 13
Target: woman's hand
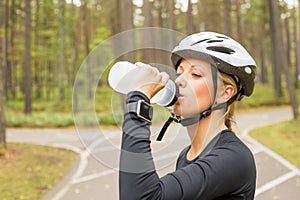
pixel 152 81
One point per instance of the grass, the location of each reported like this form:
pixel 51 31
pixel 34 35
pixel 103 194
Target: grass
pixel 263 98
pixel 283 138
pixel 39 119
pixel 30 171
pixel 51 114
pixel 55 114
pixel 107 107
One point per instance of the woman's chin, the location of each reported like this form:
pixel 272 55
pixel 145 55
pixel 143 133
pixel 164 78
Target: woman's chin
pixel 180 110
pixel 176 108
pixel 177 113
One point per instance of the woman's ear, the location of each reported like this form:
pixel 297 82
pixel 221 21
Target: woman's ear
pixel 227 93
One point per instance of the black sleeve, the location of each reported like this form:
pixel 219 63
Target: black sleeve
pixel 217 174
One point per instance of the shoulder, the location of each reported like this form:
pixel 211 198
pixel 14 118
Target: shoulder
pixel 230 144
pixel 232 153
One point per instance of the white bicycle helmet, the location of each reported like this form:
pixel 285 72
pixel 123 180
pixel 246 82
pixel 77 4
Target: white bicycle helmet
pixel 226 54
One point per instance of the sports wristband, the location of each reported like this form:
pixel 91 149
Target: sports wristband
pixel 142 109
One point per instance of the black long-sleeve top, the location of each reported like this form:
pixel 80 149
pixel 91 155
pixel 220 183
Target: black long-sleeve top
pixel 225 169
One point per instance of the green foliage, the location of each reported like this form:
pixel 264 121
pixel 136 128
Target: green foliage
pixel 30 171
pixel 92 28
pixel 59 114
pixel 39 119
pixel 106 109
pixel 101 34
pixel 263 97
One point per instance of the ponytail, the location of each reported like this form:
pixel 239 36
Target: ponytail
pixel 230 116
pixel 230 112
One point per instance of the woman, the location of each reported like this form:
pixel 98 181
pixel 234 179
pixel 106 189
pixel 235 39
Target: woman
pixel 213 71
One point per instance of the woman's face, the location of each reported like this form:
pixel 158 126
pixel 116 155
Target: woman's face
pixel 195 87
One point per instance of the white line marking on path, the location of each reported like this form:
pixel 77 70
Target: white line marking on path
pixel 275 182
pixel 107 172
pixel 294 170
pixel 68 147
pixel 260 148
pixel 93 176
pixel 82 165
pixel 274 155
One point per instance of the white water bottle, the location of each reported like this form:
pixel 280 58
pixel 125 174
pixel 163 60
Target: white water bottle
pixel 120 79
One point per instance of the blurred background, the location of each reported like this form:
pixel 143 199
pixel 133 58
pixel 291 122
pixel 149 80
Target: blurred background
pixel 44 42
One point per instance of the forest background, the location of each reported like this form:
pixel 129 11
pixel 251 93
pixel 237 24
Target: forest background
pixel 44 42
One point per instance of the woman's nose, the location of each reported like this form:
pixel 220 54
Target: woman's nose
pixel 180 81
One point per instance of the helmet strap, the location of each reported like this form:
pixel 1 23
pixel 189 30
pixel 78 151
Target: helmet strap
pixel 194 120
pixel 206 113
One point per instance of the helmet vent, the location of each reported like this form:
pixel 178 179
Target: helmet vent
pixel 199 42
pixel 221 50
pixel 223 37
pixel 213 41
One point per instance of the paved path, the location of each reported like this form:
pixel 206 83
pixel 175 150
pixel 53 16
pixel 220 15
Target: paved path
pixel 94 175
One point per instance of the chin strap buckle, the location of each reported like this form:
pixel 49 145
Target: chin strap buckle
pixel 176 118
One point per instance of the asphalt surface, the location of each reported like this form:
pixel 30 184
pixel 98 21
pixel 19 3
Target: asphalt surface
pixel 95 174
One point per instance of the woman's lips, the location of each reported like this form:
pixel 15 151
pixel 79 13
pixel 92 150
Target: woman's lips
pixel 181 97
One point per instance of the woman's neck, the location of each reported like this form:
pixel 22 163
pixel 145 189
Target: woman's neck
pixel 203 132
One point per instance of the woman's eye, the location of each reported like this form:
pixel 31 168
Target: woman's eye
pixel 196 75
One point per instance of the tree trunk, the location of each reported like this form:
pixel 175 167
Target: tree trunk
pixel 7 70
pixel 149 55
pixel 159 18
pixel 263 75
pixel 37 63
pixel 76 55
pixel 77 43
pixel 12 46
pixel 126 22
pixel 157 39
pixel 239 20
pixel 87 47
pixel 61 66
pixel 227 18
pixel 27 65
pixel 171 25
pixel 277 38
pixel 2 113
pixel 264 71
pixel 296 47
pixel 203 16
pixel 171 14
pixel 287 41
pixel 116 23
pixel 190 28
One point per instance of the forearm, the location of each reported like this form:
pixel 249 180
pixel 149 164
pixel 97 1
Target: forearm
pixel 138 178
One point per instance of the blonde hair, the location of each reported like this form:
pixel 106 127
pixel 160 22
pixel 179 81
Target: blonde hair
pixel 230 112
